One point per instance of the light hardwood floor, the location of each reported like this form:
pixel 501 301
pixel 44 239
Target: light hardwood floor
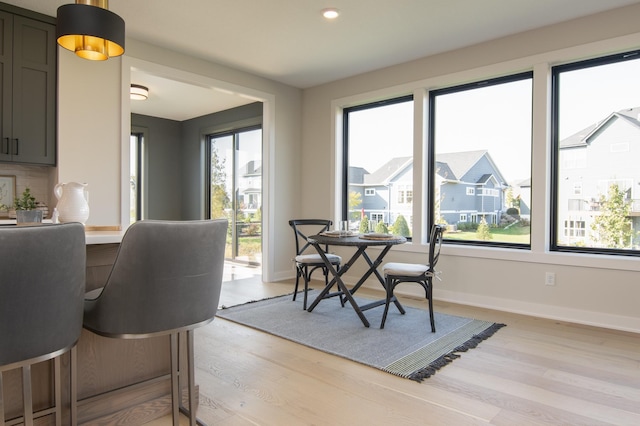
pixel 532 372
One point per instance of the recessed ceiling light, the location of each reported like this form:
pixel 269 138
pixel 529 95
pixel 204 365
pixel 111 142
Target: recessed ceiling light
pixel 330 13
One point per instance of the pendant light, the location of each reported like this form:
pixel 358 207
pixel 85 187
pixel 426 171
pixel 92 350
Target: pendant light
pixel 90 30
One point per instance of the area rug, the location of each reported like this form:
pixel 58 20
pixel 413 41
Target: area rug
pixel 405 347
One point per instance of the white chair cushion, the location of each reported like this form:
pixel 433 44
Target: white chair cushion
pixel 315 258
pixel 404 269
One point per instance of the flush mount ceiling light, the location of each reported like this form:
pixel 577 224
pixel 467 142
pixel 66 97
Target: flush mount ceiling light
pixel 138 92
pixel 90 30
pixel 330 13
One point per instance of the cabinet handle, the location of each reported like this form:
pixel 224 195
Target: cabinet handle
pixel 16 142
pixel 5 146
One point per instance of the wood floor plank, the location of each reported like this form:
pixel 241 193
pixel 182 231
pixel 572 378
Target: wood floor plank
pixel 532 372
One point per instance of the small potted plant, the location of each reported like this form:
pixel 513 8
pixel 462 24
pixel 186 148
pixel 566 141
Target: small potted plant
pixel 25 207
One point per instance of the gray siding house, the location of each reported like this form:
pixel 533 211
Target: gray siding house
pixel 470 187
pixel 590 161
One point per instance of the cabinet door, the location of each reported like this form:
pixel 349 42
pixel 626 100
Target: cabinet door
pixel 34 91
pixel 6 63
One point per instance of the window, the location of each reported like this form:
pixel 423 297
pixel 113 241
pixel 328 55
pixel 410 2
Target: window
pixel 574 228
pixel 377 217
pixel 234 190
pixel 378 162
pixel 405 195
pixel 480 140
pixel 463 217
pixel 136 146
pixel 596 145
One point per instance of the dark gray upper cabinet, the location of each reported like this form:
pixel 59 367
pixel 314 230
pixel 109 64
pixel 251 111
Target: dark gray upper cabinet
pixel 28 90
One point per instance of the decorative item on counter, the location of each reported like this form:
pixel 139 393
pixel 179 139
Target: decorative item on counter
pixel 26 209
pixel 73 205
pixel 44 208
pixel 55 217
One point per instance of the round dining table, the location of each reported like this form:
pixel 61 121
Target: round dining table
pixel 361 242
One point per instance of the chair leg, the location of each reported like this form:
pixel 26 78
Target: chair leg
pixel 73 367
pixel 175 385
pixel 295 290
pixel 191 372
pixel 430 297
pixel 1 402
pixel 306 287
pixel 57 378
pixel 26 395
pixel 389 291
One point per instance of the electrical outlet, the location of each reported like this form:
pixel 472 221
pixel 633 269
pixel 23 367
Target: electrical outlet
pixel 550 278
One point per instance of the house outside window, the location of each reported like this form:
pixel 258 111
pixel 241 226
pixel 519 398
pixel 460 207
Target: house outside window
pixel 597 144
pixel 378 180
pixel 471 190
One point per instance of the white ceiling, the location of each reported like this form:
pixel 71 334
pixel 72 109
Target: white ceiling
pixel 289 41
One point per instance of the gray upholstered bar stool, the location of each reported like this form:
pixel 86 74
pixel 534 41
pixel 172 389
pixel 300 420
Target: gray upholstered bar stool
pixel 42 285
pixel 166 280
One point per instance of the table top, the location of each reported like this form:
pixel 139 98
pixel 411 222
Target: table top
pixel 355 240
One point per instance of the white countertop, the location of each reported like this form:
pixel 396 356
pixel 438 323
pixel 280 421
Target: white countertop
pixel 92 237
pixel 104 237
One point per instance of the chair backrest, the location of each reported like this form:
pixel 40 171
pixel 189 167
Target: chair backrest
pixel 42 285
pixel 166 277
pixel 435 242
pixel 303 228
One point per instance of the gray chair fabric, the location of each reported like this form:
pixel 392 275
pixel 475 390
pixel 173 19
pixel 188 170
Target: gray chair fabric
pixel 423 274
pixel 42 285
pixel 166 277
pixel 307 259
pixel 166 280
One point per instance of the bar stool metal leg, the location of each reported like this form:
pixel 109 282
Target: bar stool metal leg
pixel 175 380
pixel 1 402
pixel 73 372
pixel 26 395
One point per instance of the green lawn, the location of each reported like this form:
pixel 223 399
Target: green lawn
pixel 515 234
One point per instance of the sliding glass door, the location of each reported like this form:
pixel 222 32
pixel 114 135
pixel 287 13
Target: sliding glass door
pixel 236 190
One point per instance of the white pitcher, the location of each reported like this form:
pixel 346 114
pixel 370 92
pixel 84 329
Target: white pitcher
pixel 73 205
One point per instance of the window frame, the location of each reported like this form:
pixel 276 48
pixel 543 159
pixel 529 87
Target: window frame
pixel 556 228
pixel 344 199
pixel 431 180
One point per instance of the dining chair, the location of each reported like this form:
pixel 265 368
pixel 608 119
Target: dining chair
pixel 42 284
pixel 166 280
pixel 307 260
pixel 396 273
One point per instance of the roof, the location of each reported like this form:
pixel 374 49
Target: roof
pixel 388 170
pixel 450 166
pixel 460 162
pixel 582 137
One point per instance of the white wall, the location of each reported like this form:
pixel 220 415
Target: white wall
pixel 595 290
pixel 89 129
pixel 94 124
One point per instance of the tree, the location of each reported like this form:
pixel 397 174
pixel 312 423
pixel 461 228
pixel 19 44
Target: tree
pixel 400 227
pixel 439 219
pixel 219 198
pixel 483 232
pixel 381 228
pixel 612 227
pixel 355 200
pixel 364 225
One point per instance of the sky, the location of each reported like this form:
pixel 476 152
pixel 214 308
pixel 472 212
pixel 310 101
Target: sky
pixel 496 118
